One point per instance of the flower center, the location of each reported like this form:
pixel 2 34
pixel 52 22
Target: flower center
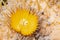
pixel 24 22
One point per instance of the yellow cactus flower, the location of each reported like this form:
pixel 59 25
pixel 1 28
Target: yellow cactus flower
pixel 24 22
